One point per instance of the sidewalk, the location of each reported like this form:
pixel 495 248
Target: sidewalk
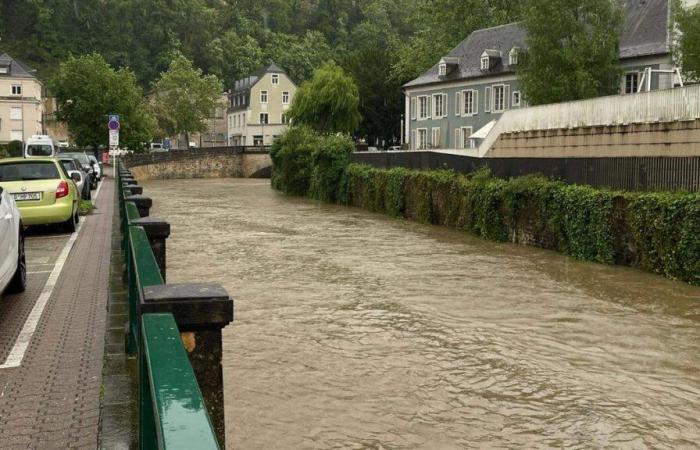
pixel 52 400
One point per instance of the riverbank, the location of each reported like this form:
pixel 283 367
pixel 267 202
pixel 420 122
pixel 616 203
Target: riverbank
pixel 658 232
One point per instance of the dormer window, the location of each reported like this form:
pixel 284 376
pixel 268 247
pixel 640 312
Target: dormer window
pixel 513 56
pixel 4 69
pixel 490 59
pixel 485 63
pixel 442 69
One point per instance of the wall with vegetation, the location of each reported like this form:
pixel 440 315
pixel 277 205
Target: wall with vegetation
pixel 658 232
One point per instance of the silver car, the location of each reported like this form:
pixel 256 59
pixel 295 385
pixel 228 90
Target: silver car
pixel 73 166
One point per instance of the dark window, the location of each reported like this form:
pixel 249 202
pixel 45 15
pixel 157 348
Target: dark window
pixel 68 164
pixel 631 83
pixel 23 171
pixel 39 150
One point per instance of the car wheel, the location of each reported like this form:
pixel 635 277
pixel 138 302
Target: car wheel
pixel 70 225
pixel 18 283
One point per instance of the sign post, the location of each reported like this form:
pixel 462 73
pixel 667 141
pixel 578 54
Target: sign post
pixel 113 126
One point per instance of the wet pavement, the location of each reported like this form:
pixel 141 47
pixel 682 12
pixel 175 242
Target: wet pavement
pixel 355 330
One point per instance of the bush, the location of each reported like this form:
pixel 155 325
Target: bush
pixel 3 151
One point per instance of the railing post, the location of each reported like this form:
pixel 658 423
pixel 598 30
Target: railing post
pixel 143 204
pixel 135 189
pixel 201 311
pixel 158 231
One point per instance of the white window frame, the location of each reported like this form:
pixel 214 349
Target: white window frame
pixel 263 97
pixel 267 115
pixel 636 87
pixel 285 97
pixel 17 89
pixel 422 144
pixel 284 119
pixel 520 99
pixel 423 107
pixel 485 63
pixel 442 110
pixel 473 108
pixel 466 132
pixel 435 137
pixel 275 79
pixel 513 56
pixel 458 104
pixel 15 113
pixel 442 69
pixel 495 89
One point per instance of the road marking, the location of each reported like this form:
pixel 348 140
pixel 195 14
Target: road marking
pixel 56 236
pixel 41 271
pixel 16 355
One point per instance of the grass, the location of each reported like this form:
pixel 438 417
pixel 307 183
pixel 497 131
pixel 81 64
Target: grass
pixel 86 207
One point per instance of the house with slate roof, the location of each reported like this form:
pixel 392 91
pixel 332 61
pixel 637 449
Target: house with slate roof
pixel 21 106
pixel 453 104
pixel 258 106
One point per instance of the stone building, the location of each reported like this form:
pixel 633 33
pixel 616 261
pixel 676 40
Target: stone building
pixel 21 105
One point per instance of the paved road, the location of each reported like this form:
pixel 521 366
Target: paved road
pixel 52 337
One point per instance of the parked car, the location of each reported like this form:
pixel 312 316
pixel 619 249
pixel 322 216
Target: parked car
pixel 97 166
pixel 394 148
pixel 86 164
pixel 43 191
pixel 40 145
pixel 73 166
pixel 372 149
pixel 13 266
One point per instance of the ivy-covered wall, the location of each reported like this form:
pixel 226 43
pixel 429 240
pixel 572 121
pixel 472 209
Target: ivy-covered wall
pixel 659 232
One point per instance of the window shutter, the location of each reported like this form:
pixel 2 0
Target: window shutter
pixel 458 104
pixel 444 105
pixel 487 100
pixel 413 108
pixel 414 139
pixel 506 98
pixel 458 138
pixel 428 107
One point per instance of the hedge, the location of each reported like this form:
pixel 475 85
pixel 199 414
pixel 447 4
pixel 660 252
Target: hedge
pixel 659 232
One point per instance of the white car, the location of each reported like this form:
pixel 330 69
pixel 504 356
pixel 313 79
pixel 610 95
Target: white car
pixel 13 266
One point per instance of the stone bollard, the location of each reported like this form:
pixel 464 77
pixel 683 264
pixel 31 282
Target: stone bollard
pixel 135 190
pixel 157 231
pixel 201 311
pixel 129 180
pixel 143 204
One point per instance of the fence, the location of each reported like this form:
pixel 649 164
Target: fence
pixel 140 159
pixel 180 389
pixel 627 173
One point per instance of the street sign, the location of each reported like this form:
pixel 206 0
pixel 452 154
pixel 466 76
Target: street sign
pixel 114 139
pixel 113 123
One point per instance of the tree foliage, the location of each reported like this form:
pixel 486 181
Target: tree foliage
pixel 572 49
pixel 688 44
pixel 184 98
pixel 87 89
pixel 328 102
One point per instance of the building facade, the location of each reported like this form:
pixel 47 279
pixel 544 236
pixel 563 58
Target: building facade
pixel 454 104
pixel 21 106
pixel 258 106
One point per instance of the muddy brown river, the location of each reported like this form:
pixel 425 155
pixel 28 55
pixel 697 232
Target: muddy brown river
pixel 355 330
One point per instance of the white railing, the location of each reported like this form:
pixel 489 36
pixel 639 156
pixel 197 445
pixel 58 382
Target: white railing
pixel 669 105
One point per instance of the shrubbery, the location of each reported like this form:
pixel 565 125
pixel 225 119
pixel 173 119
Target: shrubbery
pixel 659 232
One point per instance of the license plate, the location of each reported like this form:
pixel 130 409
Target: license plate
pixel 22 196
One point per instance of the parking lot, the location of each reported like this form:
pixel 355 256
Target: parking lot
pixel 52 335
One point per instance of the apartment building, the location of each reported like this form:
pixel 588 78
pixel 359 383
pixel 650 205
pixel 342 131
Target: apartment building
pixel 21 106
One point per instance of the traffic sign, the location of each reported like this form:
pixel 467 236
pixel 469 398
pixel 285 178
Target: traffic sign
pixel 114 139
pixel 113 123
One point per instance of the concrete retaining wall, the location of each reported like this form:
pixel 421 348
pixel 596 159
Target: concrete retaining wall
pixel 255 165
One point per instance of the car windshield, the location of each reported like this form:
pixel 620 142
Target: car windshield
pixel 39 150
pixel 24 171
pixel 68 164
pixel 82 157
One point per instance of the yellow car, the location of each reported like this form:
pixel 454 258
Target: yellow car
pixel 43 191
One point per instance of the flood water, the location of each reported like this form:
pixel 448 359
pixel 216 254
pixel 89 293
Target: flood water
pixel 355 330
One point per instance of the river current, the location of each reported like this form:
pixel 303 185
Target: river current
pixel 355 330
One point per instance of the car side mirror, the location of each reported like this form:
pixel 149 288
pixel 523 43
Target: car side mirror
pixel 75 177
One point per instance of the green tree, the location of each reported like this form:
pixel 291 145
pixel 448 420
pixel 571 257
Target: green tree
pixel 572 50
pixel 87 89
pixel 184 98
pixel 328 102
pixel 688 42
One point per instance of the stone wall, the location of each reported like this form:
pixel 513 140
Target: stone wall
pixel 244 165
pixel 640 140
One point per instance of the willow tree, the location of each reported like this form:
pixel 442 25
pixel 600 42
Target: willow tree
pixel 572 49
pixel 329 102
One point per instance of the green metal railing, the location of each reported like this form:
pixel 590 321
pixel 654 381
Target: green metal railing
pixel 172 413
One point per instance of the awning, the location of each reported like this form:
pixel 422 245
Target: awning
pixel 484 131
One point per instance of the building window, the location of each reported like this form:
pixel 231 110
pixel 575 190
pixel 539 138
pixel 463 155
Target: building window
pixel 435 138
pixel 471 99
pixel 442 69
pixel 4 69
pixel 16 89
pixel 275 79
pixel 513 56
pixel 516 99
pixel 466 134
pixel 423 107
pixel 258 141
pixel 285 119
pixel 263 96
pixel 16 113
pixel 422 139
pixel 499 98
pixel 485 63
pixel 439 105
pixel 285 98
pixel 631 83
pixel 264 118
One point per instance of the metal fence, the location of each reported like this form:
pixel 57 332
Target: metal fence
pixel 172 411
pixel 627 173
pixel 141 159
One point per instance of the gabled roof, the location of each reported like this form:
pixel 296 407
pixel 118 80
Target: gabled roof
pixel 252 80
pixel 17 68
pixel 645 33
